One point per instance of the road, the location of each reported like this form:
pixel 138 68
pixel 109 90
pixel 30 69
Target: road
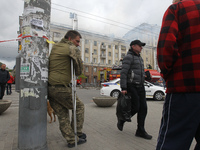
pixel 100 126
pixel 86 95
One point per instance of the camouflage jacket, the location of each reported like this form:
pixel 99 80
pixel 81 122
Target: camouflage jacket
pixel 60 62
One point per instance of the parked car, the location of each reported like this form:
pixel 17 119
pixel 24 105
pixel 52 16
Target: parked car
pixel 113 89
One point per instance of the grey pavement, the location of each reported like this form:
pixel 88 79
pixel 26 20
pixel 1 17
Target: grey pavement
pixel 100 127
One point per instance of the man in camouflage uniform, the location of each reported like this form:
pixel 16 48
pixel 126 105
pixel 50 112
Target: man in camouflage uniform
pixel 59 89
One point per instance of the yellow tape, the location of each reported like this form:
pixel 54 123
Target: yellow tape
pixel 50 42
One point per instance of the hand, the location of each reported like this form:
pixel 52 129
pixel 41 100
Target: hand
pixel 124 92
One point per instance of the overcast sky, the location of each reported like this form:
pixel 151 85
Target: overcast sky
pixel 114 17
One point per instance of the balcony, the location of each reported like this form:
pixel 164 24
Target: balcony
pixel 103 55
pixel 103 47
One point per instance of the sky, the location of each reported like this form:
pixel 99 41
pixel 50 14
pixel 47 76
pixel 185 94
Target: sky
pixel 113 18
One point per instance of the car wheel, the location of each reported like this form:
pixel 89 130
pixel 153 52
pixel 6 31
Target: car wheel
pixel 158 96
pixel 115 93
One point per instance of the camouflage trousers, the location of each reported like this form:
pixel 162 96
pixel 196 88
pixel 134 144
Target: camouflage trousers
pixel 60 99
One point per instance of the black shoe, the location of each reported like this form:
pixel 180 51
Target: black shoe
pixel 143 134
pixel 80 141
pixel 120 124
pixel 83 136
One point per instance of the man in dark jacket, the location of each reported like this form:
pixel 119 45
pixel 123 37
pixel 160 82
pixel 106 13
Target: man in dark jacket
pixel 4 77
pixel 132 82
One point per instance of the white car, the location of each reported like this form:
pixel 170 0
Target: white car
pixel 113 89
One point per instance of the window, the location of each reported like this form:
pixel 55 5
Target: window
pixel 123 47
pixel 86 79
pixel 109 53
pixel 102 61
pixel 116 55
pixel 116 46
pixel 86 69
pixel 109 46
pixel 95 51
pixel 95 69
pixel 86 50
pixel 86 59
pixel 115 71
pixel 95 79
pixel 95 43
pixel 56 34
pixel 109 62
pixel 86 41
pixel 94 60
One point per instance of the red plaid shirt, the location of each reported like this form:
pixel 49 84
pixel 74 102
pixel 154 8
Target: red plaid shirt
pixel 178 50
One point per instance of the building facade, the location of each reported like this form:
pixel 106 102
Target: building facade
pixel 100 51
pixel 147 33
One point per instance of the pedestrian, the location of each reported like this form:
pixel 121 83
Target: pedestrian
pixel 4 77
pixel 9 84
pixel 178 54
pixel 132 83
pixel 59 88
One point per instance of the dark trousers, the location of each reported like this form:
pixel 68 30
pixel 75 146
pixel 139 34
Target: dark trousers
pixel 180 122
pixel 2 90
pixel 9 91
pixel 138 104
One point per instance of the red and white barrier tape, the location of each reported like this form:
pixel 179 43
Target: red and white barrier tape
pixel 21 37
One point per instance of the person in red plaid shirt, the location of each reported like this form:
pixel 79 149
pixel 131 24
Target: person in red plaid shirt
pixel 178 55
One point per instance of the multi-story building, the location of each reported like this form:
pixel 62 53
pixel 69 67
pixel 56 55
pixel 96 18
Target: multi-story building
pixel 149 34
pixel 101 51
pixel 97 51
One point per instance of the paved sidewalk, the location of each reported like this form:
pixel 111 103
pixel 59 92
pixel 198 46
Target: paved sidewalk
pixel 100 127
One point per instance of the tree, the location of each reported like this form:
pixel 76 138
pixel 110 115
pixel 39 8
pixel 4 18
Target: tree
pixel 82 76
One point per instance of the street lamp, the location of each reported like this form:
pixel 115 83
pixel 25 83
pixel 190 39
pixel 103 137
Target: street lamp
pixel 92 70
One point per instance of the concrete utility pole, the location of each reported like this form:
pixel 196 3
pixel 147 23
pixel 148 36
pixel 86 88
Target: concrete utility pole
pixel 34 75
pixel 92 79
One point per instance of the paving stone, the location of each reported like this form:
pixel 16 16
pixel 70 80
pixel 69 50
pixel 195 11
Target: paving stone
pixel 100 127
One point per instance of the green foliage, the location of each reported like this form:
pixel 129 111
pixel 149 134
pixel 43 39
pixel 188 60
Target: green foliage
pixel 82 76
